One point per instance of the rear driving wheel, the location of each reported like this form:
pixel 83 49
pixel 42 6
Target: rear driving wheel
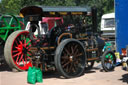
pixel 16 51
pixel 70 58
pixel 108 61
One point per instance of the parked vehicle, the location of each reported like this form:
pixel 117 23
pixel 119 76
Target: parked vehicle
pixel 8 24
pixel 108 26
pixel 69 47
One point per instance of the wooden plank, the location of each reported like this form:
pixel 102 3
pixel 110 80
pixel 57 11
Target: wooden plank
pixel 89 50
pixel 43 48
pixel 96 58
pixel 82 38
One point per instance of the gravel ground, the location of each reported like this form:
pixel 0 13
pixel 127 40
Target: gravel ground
pixel 92 77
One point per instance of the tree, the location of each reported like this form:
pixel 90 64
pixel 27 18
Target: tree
pixel 13 6
pixel 103 6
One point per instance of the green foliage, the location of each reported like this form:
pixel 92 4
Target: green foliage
pixel 13 6
pixel 59 3
pixel 103 6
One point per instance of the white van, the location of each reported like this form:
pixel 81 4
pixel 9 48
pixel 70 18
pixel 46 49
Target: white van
pixel 108 25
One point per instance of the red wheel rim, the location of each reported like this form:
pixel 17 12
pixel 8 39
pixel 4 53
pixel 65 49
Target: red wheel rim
pixel 21 54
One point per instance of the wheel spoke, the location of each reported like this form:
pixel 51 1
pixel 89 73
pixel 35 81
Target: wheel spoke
pixel 75 47
pixel 67 70
pixel 11 20
pixel 64 61
pixel 17 48
pixel 21 43
pixel 72 50
pixel 14 51
pixel 16 42
pixel 67 51
pixel 80 54
pixel 76 61
pixel 28 42
pixel 28 46
pixel 71 67
pixel 76 52
pixel 65 57
pixel 25 43
pixel 66 64
pixel 29 53
pixel 17 59
pixel 74 68
pixel 28 57
pixel 23 61
pixel 20 59
pixel 18 39
pixel 16 54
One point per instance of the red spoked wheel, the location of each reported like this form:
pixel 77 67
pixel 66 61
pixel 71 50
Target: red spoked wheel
pixel 17 50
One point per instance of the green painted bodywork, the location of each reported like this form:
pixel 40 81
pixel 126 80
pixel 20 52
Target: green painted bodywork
pixel 9 24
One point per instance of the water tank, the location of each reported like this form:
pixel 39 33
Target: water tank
pixel 121 21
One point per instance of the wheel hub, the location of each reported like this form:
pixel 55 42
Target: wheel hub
pixel 71 58
pixel 20 48
pixel 24 50
pixel 110 61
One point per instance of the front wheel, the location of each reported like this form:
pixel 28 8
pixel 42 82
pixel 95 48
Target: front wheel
pixel 70 58
pixel 17 50
pixel 108 61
